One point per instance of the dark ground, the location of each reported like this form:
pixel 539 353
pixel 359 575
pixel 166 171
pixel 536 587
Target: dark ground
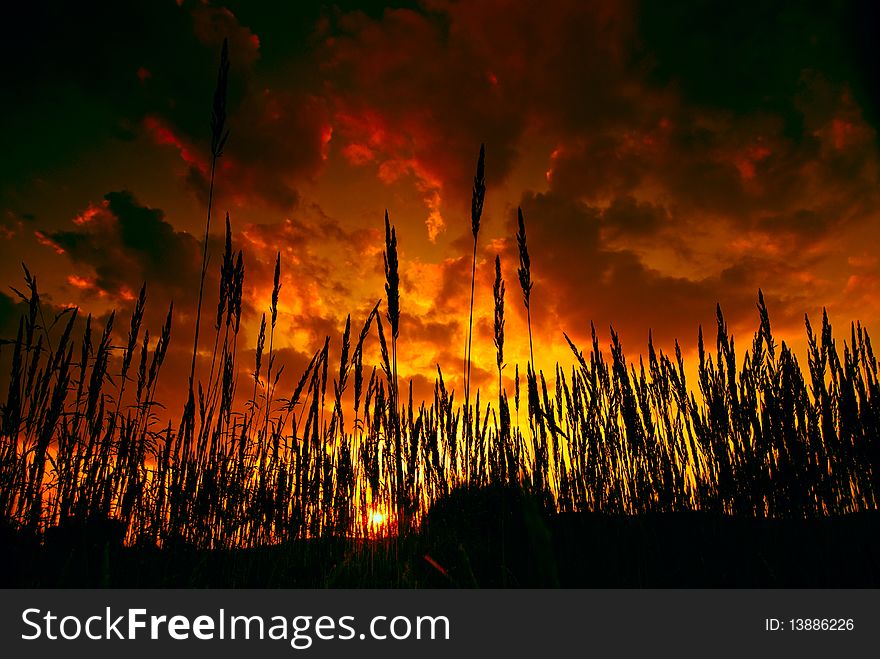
pixel 500 539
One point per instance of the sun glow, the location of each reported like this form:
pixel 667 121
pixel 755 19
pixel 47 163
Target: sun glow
pixel 378 521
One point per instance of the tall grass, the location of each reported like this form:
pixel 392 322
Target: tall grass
pixel 478 197
pixel 392 293
pixel 80 436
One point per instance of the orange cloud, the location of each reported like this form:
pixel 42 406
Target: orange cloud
pixel 45 240
pixel 165 136
pixel 80 282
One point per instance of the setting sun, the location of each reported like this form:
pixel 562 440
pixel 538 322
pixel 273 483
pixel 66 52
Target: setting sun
pixel 378 523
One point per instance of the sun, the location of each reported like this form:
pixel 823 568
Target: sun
pixel 379 521
pixel 377 518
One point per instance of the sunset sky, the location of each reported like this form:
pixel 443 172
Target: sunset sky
pixel 666 155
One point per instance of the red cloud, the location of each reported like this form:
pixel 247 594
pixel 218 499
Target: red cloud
pixel 43 239
pixel 164 135
pixel 214 24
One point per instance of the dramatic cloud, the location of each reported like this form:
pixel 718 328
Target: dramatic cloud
pixel 667 157
pixel 121 242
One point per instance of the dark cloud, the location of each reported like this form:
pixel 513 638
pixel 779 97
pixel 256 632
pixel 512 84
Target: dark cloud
pixel 73 69
pixel 91 73
pixel 693 153
pixel 125 243
pixel 578 280
pixel 627 215
pixel 750 55
pixel 739 56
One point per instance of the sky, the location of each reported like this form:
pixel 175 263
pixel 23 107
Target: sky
pixel 667 157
